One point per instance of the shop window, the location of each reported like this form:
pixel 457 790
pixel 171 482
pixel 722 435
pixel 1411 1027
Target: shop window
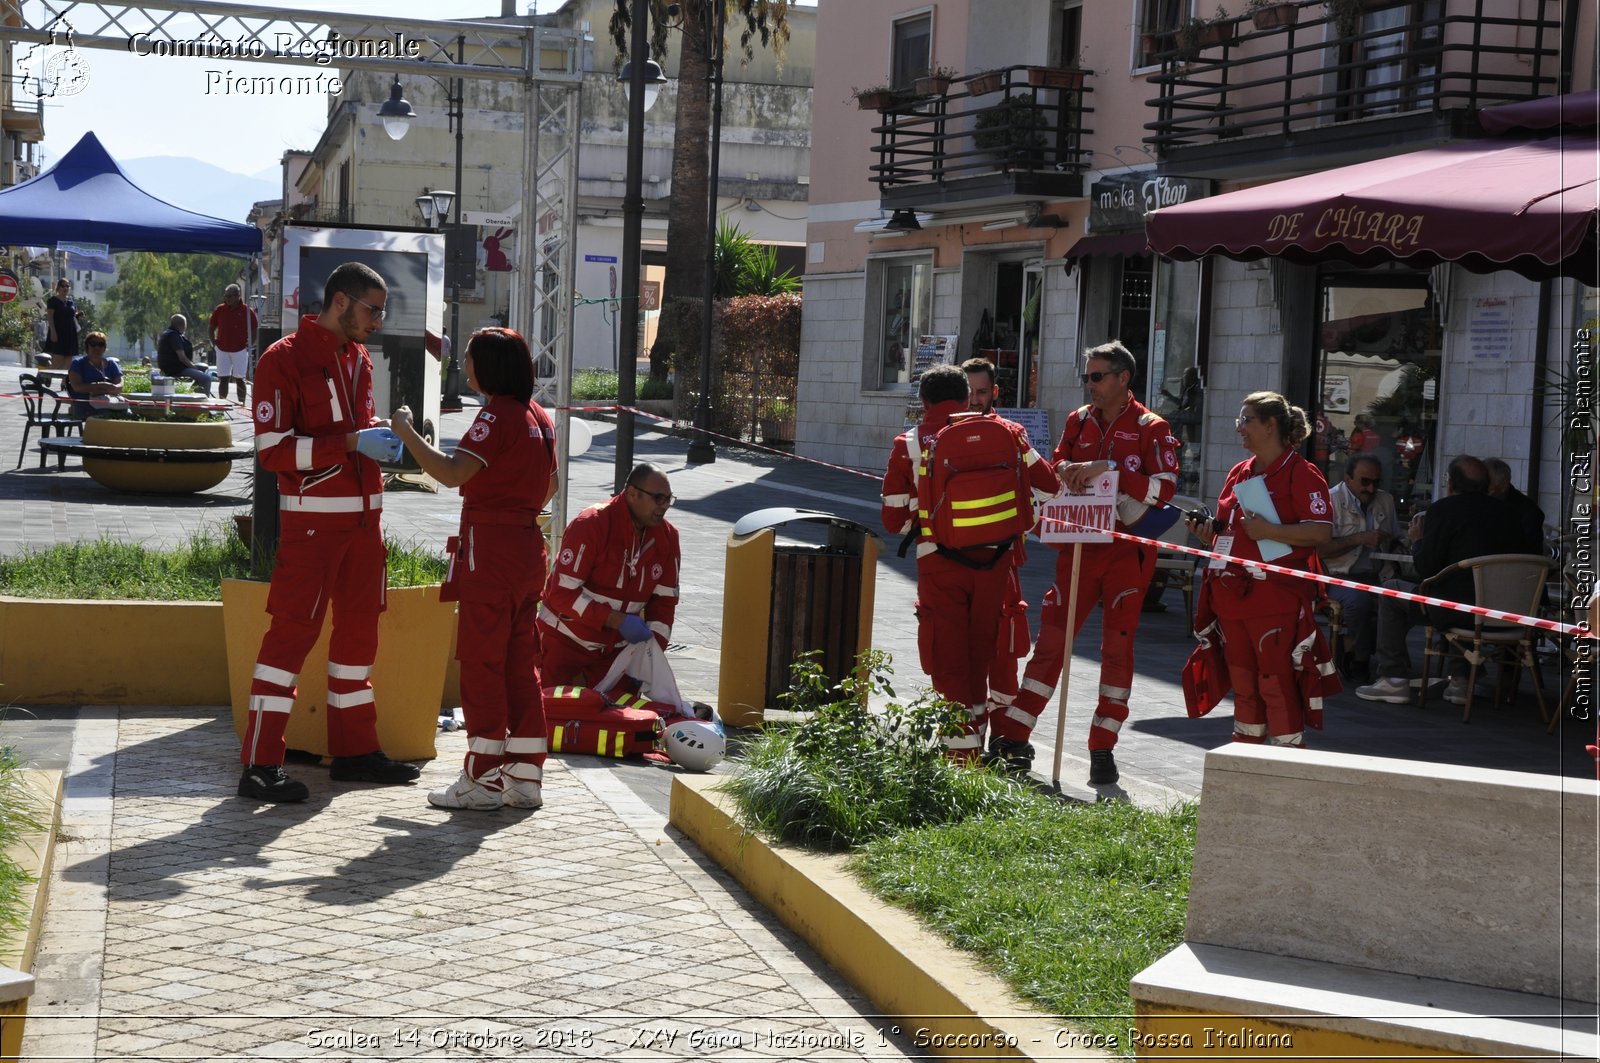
pixel 904 300
pixel 912 45
pixel 1177 383
pixel 1009 337
pixel 1395 63
pixel 1379 351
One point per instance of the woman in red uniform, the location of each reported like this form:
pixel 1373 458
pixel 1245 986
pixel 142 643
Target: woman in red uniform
pixel 1278 661
pixel 505 467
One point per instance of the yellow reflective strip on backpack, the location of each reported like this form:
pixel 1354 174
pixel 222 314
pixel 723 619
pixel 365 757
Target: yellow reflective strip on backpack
pixel 621 742
pixel 978 503
pixel 992 518
pixel 600 742
pixel 555 739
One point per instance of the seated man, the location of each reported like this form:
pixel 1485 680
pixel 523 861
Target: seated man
pixel 175 355
pixel 615 582
pixel 1363 523
pixel 1465 523
pixel 1526 516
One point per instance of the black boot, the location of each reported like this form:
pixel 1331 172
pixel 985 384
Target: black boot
pixel 1102 768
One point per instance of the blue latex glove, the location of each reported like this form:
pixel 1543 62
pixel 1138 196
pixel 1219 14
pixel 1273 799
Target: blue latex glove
pixel 379 444
pixel 633 628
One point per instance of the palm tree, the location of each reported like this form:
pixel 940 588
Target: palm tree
pixel 764 20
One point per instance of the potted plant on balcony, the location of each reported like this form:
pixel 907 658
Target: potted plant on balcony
pixel 879 97
pixel 1010 132
pixel 1068 76
pixel 986 82
pixel 1198 34
pixel 1345 15
pixel 1272 14
pixel 935 82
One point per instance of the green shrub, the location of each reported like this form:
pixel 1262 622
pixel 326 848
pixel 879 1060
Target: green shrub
pixel 849 774
pixel 190 572
pixel 595 385
pixel 651 388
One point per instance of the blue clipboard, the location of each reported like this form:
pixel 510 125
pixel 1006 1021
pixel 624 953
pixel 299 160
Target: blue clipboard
pixel 1252 495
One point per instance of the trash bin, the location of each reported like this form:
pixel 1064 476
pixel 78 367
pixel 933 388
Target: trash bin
pixel 783 599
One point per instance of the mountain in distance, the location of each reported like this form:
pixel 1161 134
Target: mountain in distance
pixel 201 187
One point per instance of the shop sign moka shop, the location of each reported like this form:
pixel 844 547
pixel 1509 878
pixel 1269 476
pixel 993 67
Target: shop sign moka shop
pixel 1121 202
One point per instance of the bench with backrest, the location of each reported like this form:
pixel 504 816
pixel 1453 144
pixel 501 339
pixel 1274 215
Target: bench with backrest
pixel 1346 906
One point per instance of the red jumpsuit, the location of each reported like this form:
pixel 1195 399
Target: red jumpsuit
pixel 1115 575
pixel 500 571
pixel 959 608
pixel 1265 621
pixel 310 395
pixel 606 563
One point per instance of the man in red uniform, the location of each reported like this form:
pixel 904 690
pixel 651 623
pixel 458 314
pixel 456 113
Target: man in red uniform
pixel 1015 638
pixel 1114 431
pixel 315 429
pixel 959 607
pixel 233 331
pixel 615 582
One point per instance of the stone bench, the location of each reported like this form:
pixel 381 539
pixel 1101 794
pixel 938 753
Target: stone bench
pixel 164 470
pixel 1346 906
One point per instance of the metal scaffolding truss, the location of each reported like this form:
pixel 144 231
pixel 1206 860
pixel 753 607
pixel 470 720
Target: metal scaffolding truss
pixel 547 61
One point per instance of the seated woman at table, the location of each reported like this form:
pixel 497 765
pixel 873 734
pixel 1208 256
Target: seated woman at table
pixel 92 373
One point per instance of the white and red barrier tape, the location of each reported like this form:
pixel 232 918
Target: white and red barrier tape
pixel 1554 626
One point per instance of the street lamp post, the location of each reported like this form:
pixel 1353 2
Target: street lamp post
pixel 703 451
pixel 397 114
pixel 641 78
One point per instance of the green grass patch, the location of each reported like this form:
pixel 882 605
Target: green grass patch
pixel 595 385
pixel 1066 902
pixel 192 571
pixel 19 817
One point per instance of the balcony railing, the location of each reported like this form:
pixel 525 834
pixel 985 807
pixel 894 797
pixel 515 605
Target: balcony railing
pixel 1319 71
pixel 1017 130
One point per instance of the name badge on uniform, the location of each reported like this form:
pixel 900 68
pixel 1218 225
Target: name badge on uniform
pixel 1223 545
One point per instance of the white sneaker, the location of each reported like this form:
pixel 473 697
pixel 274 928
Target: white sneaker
pixel 1391 689
pixel 522 793
pixel 1455 692
pixel 467 792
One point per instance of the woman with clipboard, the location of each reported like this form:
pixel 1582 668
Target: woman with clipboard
pixel 1273 507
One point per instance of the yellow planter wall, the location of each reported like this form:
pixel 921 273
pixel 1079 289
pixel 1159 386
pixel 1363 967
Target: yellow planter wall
pixel 112 653
pixel 415 635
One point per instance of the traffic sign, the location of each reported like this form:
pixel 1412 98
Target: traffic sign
pixel 9 286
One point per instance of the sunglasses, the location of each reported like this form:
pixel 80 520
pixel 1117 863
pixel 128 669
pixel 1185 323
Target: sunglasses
pixel 1367 481
pixel 378 312
pixel 1095 378
pixel 662 498
pixel 94 346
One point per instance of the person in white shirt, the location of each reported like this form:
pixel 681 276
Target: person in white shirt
pixel 1364 523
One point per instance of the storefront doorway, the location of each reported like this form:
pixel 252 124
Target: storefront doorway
pixel 1013 343
pixel 1378 352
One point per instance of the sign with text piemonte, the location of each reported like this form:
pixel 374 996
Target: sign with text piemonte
pixel 1085 518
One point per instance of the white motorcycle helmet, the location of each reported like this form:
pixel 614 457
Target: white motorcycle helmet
pixel 693 745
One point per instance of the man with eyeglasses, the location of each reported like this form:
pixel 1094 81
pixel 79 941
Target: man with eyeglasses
pixel 1363 522
pixel 317 430
pixel 1113 431
pixel 614 583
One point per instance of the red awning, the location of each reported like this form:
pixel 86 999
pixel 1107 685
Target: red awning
pixel 1128 243
pixel 1527 206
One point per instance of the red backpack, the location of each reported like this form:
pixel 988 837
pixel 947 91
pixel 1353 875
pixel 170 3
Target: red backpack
pixel 973 490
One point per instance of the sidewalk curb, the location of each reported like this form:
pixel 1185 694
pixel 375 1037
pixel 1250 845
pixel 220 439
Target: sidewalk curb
pixel 948 1004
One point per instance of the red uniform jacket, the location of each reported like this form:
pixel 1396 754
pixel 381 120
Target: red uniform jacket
pixel 1142 445
pixel 606 563
pixel 900 478
pixel 1300 495
pixel 308 399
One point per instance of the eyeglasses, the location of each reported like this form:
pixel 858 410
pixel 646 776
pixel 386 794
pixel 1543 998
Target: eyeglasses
pixel 1240 422
pixel 662 498
pixel 1367 481
pixel 378 312
pixel 94 346
pixel 1095 378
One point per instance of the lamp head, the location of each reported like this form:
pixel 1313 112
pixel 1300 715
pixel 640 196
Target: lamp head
pixel 902 221
pixel 396 112
pixel 653 79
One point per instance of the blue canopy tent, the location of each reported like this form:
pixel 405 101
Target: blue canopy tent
pixel 86 198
